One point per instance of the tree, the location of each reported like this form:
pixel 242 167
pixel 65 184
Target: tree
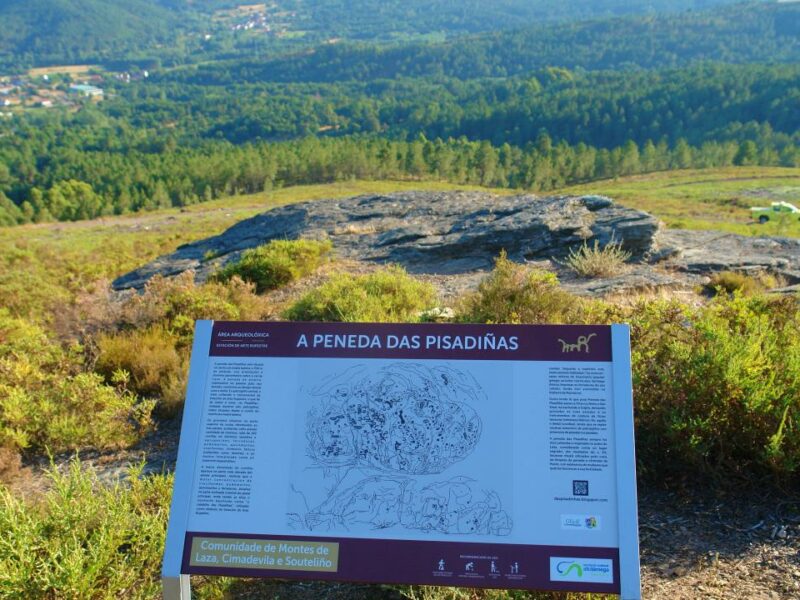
pixel 682 155
pixel 486 160
pixel 161 196
pixel 747 154
pixel 629 162
pixel 10 214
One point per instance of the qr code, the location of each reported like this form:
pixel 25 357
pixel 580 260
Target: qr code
pixel 580 487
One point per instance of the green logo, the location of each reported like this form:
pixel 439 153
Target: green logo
pixel 565 571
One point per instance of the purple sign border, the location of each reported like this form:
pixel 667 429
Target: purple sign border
pixel 410 562
pixel 561 343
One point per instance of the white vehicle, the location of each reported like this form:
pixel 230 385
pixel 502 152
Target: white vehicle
pixel 776 210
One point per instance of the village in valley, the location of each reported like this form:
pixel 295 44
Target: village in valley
pixel 264 18
pixel 58 86
pixel 71 86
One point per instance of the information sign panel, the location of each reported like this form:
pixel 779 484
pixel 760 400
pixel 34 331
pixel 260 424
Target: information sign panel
pixel 495 456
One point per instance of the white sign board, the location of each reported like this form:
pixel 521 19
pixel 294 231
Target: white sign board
pixel 459 455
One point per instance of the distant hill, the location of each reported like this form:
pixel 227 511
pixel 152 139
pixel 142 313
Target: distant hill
pixel 393 19
pixel 65 31
pixel 752 32
pixel 44 32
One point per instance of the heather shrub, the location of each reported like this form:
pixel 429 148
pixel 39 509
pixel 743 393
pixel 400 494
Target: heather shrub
pixel 717 387
pixel 514 294
pixel 277 263
pixel 46 401
pixel 386 295
pixel 176 303
pixel 594 261
pixel 85 539
pixel 27 285
pixel 154 331
pixel 150 357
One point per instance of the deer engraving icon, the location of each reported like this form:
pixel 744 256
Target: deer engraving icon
pixel 582 344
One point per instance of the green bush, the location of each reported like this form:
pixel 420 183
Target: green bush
pixel 387 295
pixel 718 387
pixel 277 263
pixel 513 294
pixel 85 540
pixel 595 261
pixel 46 401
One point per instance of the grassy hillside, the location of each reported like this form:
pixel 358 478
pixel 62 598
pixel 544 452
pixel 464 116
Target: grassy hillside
pixel 709 198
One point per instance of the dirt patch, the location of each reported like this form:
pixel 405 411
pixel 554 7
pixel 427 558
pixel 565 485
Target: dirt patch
pixel 10 464
pixel 62 69
pixel 699 544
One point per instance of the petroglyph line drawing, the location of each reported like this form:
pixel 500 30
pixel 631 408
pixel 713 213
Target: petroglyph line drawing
pixel 454 506
pixel 379 436
pixel 404 418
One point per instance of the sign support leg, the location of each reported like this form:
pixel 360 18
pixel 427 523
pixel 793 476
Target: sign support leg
pixel 176 588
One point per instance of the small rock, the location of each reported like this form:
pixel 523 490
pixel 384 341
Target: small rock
pixel 679 572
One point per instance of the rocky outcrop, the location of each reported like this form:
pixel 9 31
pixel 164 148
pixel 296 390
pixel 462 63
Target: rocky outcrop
pixel 704 252
pixel 426 232
pixel 449 234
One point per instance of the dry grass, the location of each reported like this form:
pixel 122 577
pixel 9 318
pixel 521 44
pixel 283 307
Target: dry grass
pixel 744 283
pixel 594 261
pixel 355 229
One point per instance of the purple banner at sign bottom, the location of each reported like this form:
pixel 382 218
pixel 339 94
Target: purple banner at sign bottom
pixel 478 565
